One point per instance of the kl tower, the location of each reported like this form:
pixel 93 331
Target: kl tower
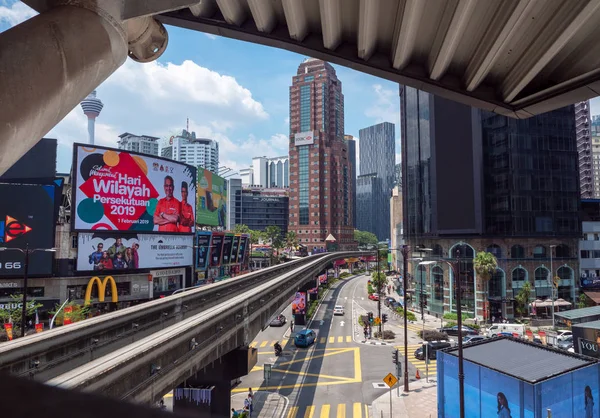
pixel 92 106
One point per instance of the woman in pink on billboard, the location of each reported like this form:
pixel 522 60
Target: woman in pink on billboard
pixel 168 209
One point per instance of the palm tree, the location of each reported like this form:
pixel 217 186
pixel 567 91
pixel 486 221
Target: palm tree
pixel 291 240
pixel 485 265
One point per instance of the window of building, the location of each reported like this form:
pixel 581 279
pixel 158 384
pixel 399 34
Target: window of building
pixel 495 249
pixel 539 252
pixel 517 251
pixel 303 188
pixel 305 109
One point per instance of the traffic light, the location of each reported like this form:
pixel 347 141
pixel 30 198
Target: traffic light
pixel 395 356
pixel 370 314
pixel 384 318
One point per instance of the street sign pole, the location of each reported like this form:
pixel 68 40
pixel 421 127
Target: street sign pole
pixel 427 362
pixel 391 390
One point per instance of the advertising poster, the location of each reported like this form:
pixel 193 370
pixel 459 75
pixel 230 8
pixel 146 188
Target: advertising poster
pixel 211 199
pixel 572 395
pixel 123 191
pixel 242 251
pixel 27 217
pixel 299 304
pixel 235 249
pixel 109 251
pixel 323 279
pixel 227 244
pixel 217 249
pixel 304 138
pixel 203 243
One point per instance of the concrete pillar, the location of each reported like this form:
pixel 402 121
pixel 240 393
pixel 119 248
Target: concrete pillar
pixel 49 63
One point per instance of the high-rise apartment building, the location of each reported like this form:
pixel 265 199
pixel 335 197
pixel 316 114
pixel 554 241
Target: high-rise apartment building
pixel 145 144
pixel 267 172
pixel 396 239
pixel 199 152
pixel 320 172
pixel 234 203
pixel 477 181
pixel 584 149
pixel 378 157
pixel 352 158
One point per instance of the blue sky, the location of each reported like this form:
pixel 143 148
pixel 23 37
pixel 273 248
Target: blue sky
pixel 232 91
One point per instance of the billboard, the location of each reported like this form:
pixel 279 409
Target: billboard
pixel 589 281
pixel 227 244
pixel 299 304
pixel 211 199
pixel 203 239
pixel 217 249
pixel 235 247
pixel 27 217
pixel 304 138
pixel 110 251
pixel 123 191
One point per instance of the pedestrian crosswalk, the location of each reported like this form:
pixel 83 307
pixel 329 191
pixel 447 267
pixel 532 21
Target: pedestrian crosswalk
pixel 321 341
pixel 419 364
pixel 342 410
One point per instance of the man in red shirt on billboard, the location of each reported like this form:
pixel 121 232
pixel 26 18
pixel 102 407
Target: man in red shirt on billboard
pixel 168 209
pixel 186 221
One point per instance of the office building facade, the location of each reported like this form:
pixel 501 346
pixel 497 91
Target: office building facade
pixel 267 172
pixel 351 143
pixel 199 152
pixel 378 157
pixel 320 171
pixel 145 144
pixel 262 207
pixel 489 183
pixel 234 203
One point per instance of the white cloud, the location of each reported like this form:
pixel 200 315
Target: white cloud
pixel 386 107
pixel 18 12
pixel 210 36
pixel 156 99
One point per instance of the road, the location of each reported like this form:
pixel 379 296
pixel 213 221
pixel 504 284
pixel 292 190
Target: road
pixel 340 375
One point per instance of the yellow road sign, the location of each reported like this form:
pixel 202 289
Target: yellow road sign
pixel 390 380
pixel 556 281
pixel 377 321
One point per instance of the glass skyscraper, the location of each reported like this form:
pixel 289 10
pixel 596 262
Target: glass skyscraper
pixel 377 157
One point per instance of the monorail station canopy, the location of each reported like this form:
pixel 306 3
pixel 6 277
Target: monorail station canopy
pixel 515 57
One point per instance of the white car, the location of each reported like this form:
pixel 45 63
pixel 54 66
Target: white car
pixel 338 310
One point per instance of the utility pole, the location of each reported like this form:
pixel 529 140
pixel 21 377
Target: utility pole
pixel 378 294
pixel 405 250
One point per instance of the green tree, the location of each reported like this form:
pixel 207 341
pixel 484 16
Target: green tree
pixel 78 313
pixel 522 299
pixel 581 301
pixel 13 313
pixel 485 264
pixel 244 229
pixel 291 240
pixel 365 238
pixel 378 281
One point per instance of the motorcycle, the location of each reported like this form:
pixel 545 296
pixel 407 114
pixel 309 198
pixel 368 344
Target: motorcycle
pixel 278 349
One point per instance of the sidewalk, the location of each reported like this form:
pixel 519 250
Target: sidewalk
pixel 419 402
pixel 266 404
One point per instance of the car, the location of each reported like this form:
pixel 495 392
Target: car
pixel 432 348
pixel 388 301
pixel 374 296
pixel 473 338
pixel 278 321
pixel 338 310
pixel 566 343
pixel 505 334
pixel 305 338
pixel 453 331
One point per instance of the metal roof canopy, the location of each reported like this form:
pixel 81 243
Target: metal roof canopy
pixel 522 360
pixel 514 57
pixel 579 313
pixel 592 325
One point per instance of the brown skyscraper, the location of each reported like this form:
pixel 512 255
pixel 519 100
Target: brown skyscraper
pixel 320 173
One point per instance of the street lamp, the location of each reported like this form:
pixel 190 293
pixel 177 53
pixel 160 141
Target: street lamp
pixel 26 251
pixel 552 282
pixel 405 251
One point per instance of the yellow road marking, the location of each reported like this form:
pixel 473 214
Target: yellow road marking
pixel 325 411
pixel 331 339
pixel 341 410
pixel 253 344
pixel 348 339
pixel 340 339
pixel 272 343
pixel 264 344
pixel 310 410
pixel 357 410
pixel 293 412
pixel 366 411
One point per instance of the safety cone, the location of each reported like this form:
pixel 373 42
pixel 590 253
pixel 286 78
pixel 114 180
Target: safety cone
pixel 418 376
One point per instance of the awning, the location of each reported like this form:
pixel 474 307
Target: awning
pixel 593 295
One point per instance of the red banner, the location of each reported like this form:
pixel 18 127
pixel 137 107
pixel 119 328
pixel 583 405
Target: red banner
pixel 9 329
pixel 67 317
pixel 39 327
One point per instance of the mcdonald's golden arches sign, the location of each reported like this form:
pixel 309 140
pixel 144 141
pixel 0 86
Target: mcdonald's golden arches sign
pixel 101 289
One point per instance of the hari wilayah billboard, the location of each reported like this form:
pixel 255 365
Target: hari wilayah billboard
pixel 211 199
pixel 108 251
pixel 123 191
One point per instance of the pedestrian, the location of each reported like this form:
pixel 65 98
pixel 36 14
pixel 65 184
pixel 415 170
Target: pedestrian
pixel 234 413
pixel 251 404
pixel 292 325
pixel 366 331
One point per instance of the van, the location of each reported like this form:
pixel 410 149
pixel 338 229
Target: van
pixel 432 348
pixel 496 329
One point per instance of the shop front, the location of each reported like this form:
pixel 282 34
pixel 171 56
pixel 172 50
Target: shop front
pixel 167 281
